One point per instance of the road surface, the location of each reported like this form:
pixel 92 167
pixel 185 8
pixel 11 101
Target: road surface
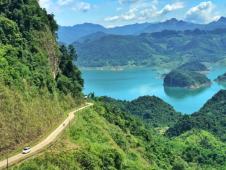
pixel 40 146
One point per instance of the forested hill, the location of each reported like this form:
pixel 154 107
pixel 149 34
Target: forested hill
pixel 106 136
pixel 211 117
pixel 38 81
pixel 152 110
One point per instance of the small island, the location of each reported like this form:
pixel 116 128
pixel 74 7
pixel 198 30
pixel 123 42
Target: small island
pixel 186 79
pixel 221 79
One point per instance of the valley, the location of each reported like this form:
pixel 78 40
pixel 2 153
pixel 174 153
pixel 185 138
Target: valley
pixel 145 96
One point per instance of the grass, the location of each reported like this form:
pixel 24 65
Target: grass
pixel 91 133
pixel 40 138
pixel 27 120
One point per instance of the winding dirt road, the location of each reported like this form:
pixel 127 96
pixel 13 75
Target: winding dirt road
pixel 41 146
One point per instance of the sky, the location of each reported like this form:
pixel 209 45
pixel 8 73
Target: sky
pixel 111 13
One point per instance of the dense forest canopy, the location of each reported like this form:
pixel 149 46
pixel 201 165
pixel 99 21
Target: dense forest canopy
pixel 30 57
pixel 152 110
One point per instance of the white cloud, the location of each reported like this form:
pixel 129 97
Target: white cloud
pixel 171 7
pixel 76 5
pixel 141 10
pixel 202 13
pixel 64 2
pixel 82 6
pixel 127 16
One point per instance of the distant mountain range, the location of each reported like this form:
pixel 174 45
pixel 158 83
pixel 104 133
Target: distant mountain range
pixel 167 49
pixel 70 34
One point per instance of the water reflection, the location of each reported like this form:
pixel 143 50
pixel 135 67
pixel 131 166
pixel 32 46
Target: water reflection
pixel 223 85
pixel 179 93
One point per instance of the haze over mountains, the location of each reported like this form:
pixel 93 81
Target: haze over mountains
pixel 70 34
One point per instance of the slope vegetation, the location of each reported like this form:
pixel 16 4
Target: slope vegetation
pixel 211 117
pixel 152 110
pixel 105 137
pixel 38 81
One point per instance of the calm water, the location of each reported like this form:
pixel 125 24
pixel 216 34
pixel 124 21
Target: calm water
pixel 130 84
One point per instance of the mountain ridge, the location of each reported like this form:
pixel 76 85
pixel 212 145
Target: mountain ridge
pixel 151 49
pixel 70 34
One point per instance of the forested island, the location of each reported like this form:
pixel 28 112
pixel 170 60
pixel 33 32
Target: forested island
pixel 186 79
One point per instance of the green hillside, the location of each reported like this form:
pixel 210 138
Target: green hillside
pixel 108 138
pixel 38 82
pixel 154 49
pixel 152 110
pixel 211 117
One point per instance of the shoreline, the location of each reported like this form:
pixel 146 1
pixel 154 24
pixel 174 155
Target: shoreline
pixel 111 68
pixel 193 87
pixel 160 71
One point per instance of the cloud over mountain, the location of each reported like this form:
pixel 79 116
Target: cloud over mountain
pixel 202 13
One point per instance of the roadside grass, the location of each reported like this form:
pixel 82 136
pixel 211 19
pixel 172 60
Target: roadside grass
pixel 91 135
pixel 38 116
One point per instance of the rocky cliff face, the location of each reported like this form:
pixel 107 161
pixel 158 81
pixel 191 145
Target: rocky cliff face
pixel 36 29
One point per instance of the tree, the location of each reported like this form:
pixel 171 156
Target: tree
pixel 69 79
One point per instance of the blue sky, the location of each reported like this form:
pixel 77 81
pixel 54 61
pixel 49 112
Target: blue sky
pixel 112 13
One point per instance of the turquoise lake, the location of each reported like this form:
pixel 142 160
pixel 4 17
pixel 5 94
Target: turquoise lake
pixel 130 84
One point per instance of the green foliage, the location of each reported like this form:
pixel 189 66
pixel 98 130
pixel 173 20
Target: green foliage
pixel 211 118
pixel 151 109
pixel 154 110
pixel 107 138
pixel 30 95
pixel 9 32
pixel 28 46
pixel 201 147
pixel 69 81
